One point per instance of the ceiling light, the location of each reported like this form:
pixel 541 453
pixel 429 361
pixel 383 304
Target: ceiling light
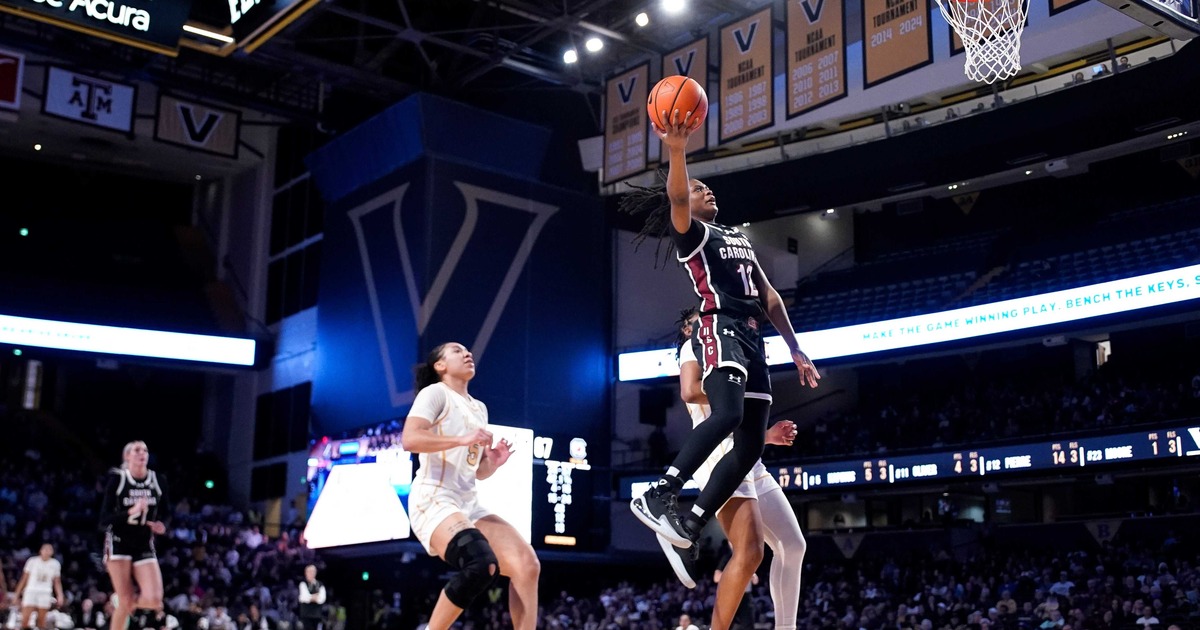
pixel 1029 172
pixel 642 19
pixel 673 6
pixel 570 56
pixel 594 44
pixel 198 178
pixel 830 211
pixel 209 34
pixel 747 224
pixel 37 147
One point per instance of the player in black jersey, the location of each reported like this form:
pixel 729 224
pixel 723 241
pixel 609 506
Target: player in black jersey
pixel 734 297
pixel 135 508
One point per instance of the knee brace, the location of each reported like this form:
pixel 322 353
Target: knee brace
pixel 470 553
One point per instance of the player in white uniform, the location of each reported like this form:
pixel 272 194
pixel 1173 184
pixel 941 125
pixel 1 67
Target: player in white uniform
pixel 757 512
pixel 448 428
pixel 40 586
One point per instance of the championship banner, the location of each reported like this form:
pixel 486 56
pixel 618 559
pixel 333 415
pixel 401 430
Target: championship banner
pixel 195 126
pixel 896 39
pixel 848 544
pixel 626 123
pixel 12 70
pixel 89 100
pixel 816 56
pixel 690 61
pixel 747 76
pixel 956 45
pixel 1104 531
pixel 153 25
pixel 1062 5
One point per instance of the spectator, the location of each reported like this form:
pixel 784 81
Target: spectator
pixel 312 598
pixel 89 617
pixel 1063 586
pixel 1147 619
pixel 685 623
pixel 1122 64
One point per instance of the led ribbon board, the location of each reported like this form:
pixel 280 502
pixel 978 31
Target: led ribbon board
pixel 1096 300
pixel 137 342
pixel 1160 443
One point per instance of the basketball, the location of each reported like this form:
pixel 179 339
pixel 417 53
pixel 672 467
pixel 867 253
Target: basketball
pixel 677 92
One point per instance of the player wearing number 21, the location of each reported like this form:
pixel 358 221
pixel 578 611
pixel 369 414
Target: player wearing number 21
pixel 135 508
pixel 734 299
pixel 448 428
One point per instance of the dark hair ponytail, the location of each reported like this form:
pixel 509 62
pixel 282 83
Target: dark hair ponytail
pixel 424 372
pixel 653 203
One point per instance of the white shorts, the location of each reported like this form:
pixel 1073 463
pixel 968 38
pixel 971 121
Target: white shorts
pixel 429 505
pixel 36 599
pixel 757 482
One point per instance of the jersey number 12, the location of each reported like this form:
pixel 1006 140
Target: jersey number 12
pixel 746 272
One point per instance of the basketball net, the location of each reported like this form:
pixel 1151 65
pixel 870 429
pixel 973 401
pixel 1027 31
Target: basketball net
pixel 990 31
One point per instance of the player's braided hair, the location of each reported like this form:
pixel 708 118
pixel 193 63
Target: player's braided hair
pixel 685 314
pixel 653 202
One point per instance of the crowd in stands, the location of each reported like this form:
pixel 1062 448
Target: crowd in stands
pixel 221 571
pixel 1122 586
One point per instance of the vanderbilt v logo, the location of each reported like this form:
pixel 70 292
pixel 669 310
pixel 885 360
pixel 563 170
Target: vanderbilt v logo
pixel 684 69
pixel 812 10
pixel 381 293
pixel 198 133
pixel 627 90
pixel 745 40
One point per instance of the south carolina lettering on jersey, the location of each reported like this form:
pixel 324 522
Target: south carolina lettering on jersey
pixel 737 247
pixel 133 495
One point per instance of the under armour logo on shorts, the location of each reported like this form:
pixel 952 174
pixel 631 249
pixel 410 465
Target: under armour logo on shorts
pixel 734 378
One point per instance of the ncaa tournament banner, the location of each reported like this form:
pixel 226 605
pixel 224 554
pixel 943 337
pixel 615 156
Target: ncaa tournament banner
pixel 438 251
pixel 89 100
pixel 195 126
pixel 747 76
pixel 12 72
pixel 896 39
pixel 626 124
pixel 690 61
pixel 956 44
pixel 816 55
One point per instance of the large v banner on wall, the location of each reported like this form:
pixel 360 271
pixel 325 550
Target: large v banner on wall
pixel 380 271
pixel 438 252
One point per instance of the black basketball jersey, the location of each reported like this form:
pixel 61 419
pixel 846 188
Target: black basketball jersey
pixel 720 261
pixel 125 492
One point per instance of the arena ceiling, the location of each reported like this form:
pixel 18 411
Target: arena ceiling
pixel 342 59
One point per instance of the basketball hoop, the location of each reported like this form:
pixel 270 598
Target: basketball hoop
pixel 990 31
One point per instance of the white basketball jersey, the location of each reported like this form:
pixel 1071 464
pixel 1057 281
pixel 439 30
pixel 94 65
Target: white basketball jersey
pixel 42 573
pixel 451 414
pixel 698 412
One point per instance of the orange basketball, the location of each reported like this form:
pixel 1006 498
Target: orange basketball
pixel 676 92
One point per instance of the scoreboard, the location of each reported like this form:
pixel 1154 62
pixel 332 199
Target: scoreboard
pixel 1167 442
